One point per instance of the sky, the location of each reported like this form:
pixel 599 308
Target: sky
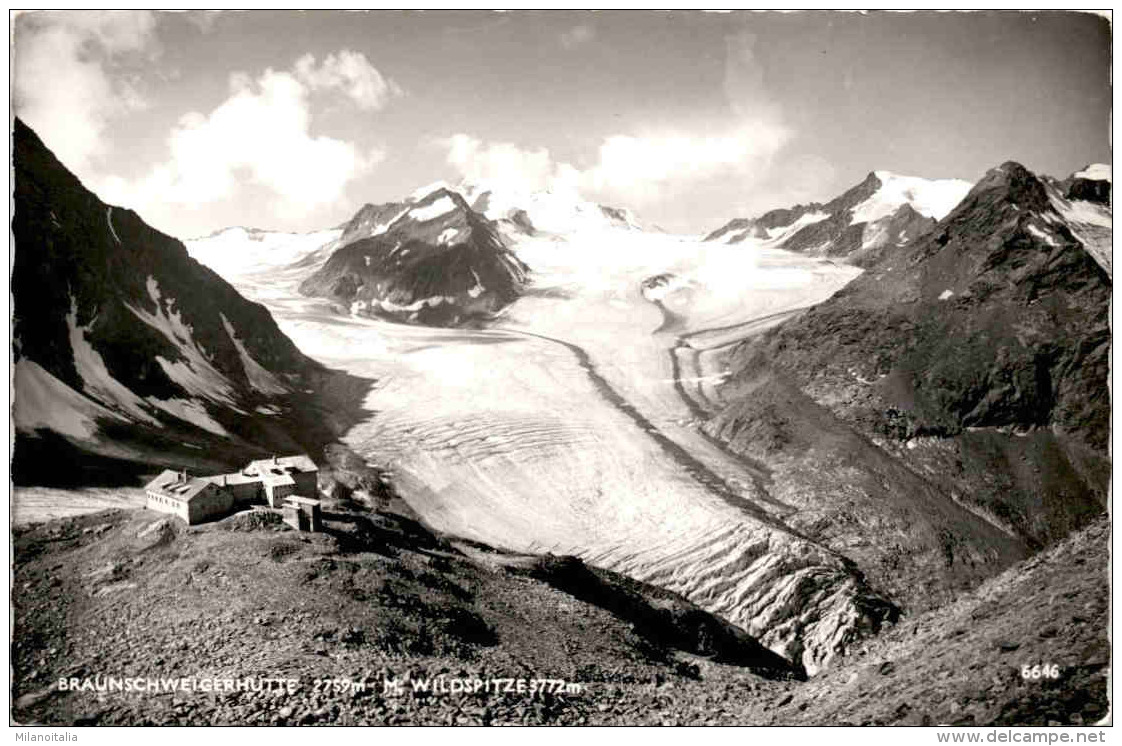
pixel 293 120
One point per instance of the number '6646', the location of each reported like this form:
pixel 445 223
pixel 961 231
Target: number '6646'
pixel 1047 671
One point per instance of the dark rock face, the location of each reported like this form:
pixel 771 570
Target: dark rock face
pixel 976 357
pixel 836 235
pixel 819 234
pixel 866 247
pixel 662 616
pixel 74 250
pixel 93 285
pixel 616 215
pixel 999 327
pixel 520 219
pixel 367 220
pixel 434 262
pixel 939 667
pixel 1088 189
pixel 734 225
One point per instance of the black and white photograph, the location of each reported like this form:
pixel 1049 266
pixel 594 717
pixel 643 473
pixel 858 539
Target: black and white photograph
pixel 561 368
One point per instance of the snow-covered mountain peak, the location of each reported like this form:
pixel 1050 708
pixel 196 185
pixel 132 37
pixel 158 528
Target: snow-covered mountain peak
pixel 557 210
pixel 434 259
pixel 932 198
pixel 1093 185
pixel 435 205
pixel 1095 172
pixel 885 210
pixel 420 193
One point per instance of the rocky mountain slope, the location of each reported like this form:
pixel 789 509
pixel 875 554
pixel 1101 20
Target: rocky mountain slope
pixel 127 352
pixel 1029 647
pixel 882 212
pixel 442 255
pixel 968 367
pixel 376 597
pixel 1091 184
pixel 488 413
pixel 383 600
pixel 432 261
pixel 1084 201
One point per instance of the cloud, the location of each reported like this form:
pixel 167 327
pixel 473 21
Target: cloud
pixel 657 166
pixel 203 20
pixel 63 81
pixel 634 170
pixel 577 36
pixel 116 31
pixel 642 169
pixel 506 165
pixel 744 84
pixel 352 74
pixel 260 136
pixel 734 165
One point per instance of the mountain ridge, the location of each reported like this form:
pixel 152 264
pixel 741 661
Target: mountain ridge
pixel 126 348
pixel 967 356
pixel 883 211
pixel 432 261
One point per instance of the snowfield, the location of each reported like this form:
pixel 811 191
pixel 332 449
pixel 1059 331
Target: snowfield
pixel 440 207
pixel 1096 172
pixel 932 198
pixel 560 211
pixel 238 251
pixel 1091 224
pixel 37 504
pixel 570 425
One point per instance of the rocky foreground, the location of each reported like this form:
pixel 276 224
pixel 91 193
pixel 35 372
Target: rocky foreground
pixel 377 598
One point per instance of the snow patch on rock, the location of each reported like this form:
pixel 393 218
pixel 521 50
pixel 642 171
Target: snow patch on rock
pixel 97 382
pixel 442 206
pixel 780 232
pixel 194 373
pixel 1091 224
pixel 657 288
pixel 383 227
pixel 1081 211
pixel 734 236
pixel 422 192
pixel 191 411
pixel 46 402
pixel 1045 237
pixel 477 289
pixel 258 376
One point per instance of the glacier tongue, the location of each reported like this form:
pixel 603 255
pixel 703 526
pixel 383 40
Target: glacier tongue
pixel 560 429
